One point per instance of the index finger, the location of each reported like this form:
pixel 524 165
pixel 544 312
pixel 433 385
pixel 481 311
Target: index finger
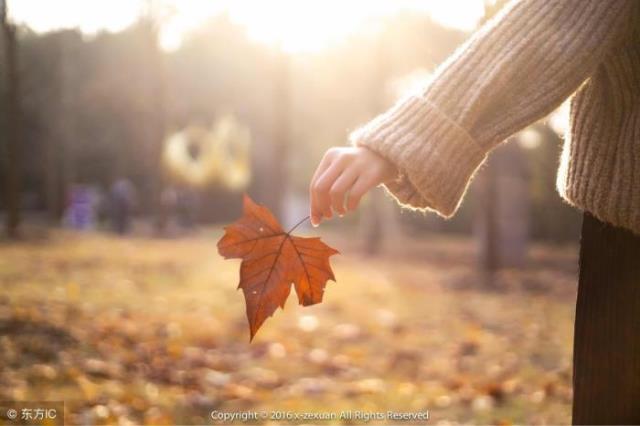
pixel 324 165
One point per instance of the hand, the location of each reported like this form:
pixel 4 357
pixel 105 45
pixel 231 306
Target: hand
pixel 346 172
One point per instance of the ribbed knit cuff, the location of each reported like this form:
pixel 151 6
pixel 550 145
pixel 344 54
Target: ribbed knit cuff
pixel 436 158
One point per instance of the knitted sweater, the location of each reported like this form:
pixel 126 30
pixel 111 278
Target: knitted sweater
pixel 515 70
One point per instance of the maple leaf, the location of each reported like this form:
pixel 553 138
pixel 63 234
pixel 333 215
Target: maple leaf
pixel 272 260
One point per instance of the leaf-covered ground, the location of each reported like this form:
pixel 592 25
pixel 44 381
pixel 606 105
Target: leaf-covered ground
pixel 153 331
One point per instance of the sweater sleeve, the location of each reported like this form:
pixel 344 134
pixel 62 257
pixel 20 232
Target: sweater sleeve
pixel 515 70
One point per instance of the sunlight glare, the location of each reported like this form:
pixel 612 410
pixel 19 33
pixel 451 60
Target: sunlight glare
pixel 292 25
pixel 88 16
pixel 297 26
pixel 307 25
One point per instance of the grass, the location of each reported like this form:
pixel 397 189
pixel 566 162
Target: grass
pixel 153 331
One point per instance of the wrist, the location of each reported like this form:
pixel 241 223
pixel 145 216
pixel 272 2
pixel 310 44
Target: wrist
pixel 388 171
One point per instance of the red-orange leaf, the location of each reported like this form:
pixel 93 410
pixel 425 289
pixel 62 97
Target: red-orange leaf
pixel 272 260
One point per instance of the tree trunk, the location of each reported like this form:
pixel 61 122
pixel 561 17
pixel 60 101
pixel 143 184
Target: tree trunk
pixel 156 115
pixel 66 125
pixel 157 135
pixel 52 181
pixel 502 214
pixel 12 155
pixel 486 227
pixel 375 228
pixel 282 111
pixel 60 149
pixel 486 212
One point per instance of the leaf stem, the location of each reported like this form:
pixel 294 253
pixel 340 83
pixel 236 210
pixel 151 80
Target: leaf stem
pixel 297 224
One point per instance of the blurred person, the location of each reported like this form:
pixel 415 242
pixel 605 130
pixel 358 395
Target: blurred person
pixel 515 70
pixel 81 206
pixel 122 200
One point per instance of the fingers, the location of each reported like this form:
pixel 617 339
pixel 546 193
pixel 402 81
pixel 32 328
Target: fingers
pixel 321 186
pixel 339 189
pixel 364 183
pixel 342 171
pixel 324 185
pixel 324 164
pixel 314 190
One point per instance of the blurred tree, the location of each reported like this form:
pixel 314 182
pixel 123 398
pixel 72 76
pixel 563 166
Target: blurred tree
pixel 54 191
pixel 61 146
pixel 219 71
pixel 12 124
pixel 502 217
pixel 375 223
pixel 281 142
pixel 552 219
pixel 96 108
pixel 67 116
pixel 487 208
pixel 156 120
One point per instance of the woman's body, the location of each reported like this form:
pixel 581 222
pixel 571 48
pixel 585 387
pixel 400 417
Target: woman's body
pixel 606 353
pixel 512 72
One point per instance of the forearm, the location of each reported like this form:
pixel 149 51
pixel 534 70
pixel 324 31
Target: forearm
pixel 515 70
pixel 524 63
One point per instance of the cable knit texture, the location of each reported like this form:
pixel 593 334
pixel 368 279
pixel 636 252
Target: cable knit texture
pixel 515 70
